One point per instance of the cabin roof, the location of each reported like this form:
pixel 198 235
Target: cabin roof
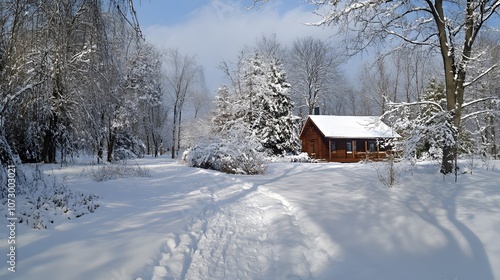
pixel 368 127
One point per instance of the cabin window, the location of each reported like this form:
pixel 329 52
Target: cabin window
pixel 372 146
pixel 332 146
pixel 349 146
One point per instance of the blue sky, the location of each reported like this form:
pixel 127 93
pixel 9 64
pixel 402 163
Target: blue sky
pixel 165 12
pixel 217 30
pixel 171 12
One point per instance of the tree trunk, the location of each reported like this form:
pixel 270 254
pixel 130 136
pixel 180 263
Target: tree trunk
pixel 179 132
pixel 493 138
pixel 154 144
pixel 49 142
pixel 111 144
pixel 448 56
pixel 448 157
pixel 6 155
pixel 174 130
pixel 100 152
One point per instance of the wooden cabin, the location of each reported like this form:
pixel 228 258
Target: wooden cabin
pixel 346 138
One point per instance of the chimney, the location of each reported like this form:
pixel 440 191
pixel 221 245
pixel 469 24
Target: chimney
pixel 316 111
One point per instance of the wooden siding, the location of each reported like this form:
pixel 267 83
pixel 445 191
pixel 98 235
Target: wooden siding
pixel 313 142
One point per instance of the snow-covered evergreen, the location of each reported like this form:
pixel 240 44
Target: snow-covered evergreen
pixel 261 100
pixel 424 125
pixel 271 107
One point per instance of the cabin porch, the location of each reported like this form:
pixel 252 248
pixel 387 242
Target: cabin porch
pixel 348 150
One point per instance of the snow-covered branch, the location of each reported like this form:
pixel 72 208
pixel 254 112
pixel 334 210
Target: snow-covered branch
pixel 484 73
pixel 480 100
pixel 11 97
pixel 489 111
pixel 417 103
pixel 491 10
pixel 423 42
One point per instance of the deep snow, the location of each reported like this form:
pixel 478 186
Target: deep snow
pixel 298 221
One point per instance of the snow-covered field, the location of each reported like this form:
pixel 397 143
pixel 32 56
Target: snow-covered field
pixel 298 221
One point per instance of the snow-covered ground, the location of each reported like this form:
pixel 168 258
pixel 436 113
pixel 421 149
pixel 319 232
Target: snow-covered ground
pixel 298 221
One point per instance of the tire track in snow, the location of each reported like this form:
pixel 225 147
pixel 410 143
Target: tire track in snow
pixel 246 232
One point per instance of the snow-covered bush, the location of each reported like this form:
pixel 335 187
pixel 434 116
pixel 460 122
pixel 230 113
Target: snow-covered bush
pixel 41 200
pixel 115 171
pixel 128 146
pixel 233 152
pixel 225 157
pixel 302 157
pixel 390 173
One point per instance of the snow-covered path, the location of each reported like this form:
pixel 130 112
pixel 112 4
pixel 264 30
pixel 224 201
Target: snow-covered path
pixel 245 232
pixel 298 221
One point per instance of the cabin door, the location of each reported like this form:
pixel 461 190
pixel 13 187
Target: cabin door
pixel 312 148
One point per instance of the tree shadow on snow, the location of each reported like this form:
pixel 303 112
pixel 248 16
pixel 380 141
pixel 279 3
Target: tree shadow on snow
pixel 414 232
pixel 463 255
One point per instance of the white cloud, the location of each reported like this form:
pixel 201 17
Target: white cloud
pixel 218 31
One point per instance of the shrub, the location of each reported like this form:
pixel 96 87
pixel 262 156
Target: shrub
pixel 128 146
pixel 232 155
pixel 115 171
pixel 40 200
pixel 389 172
pixel 300 158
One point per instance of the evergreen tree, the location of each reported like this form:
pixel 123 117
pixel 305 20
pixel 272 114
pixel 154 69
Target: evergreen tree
pixel 265 105
pixel 428 130
pixel 224 108
pixel 434 120
pixel 276 124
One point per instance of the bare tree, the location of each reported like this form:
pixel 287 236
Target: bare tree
pixel 183 73
pixel 270 48
pixel 481 119
pixel 417 69
pixel 200 101
pixel 145 79
pixel 376 83
pixel 399 76
pixel 313 72
pixel 17 78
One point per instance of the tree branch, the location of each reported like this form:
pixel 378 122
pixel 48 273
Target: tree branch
pixel 480 100
pixel 482 75
pixel 480 113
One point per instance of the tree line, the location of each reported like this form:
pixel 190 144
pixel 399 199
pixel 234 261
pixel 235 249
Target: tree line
pixel 76 76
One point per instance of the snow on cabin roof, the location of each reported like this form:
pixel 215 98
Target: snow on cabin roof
pixel 352 127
